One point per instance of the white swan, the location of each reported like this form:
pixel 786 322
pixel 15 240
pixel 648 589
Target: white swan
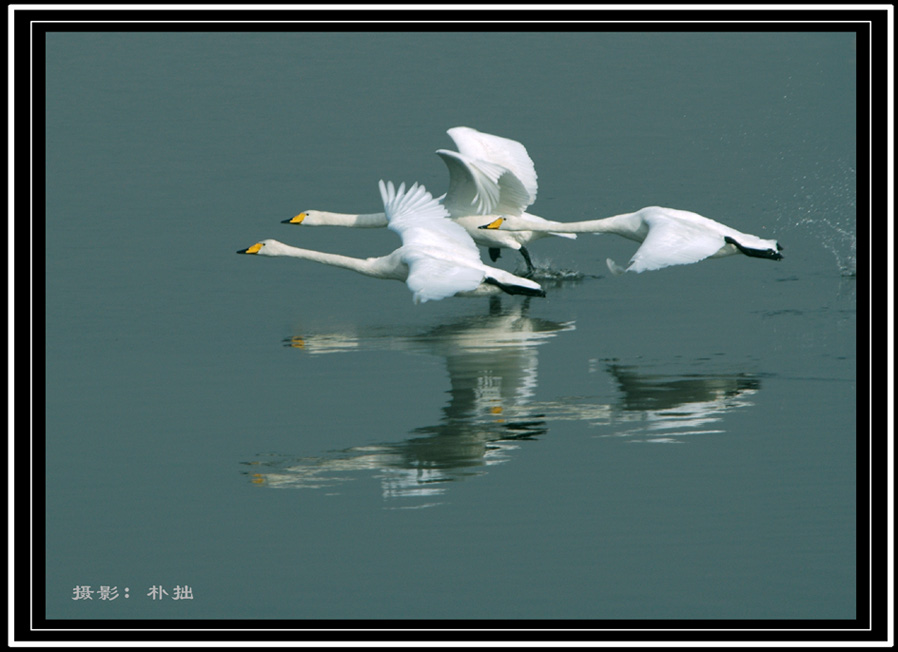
pixel 437 259
pixel 668 236
pixel 488 176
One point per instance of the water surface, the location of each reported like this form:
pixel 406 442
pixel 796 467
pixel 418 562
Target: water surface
pixel 294 441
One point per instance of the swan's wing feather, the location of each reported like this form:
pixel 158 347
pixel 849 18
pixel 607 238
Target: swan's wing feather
pixel 674 242
pixel 431 278
pixel 441 236
pixel 422 223
pixel 480 187
pixel 513 195
pixel 508 153
pixel 403 207
pixel 441 256
pixel 473 188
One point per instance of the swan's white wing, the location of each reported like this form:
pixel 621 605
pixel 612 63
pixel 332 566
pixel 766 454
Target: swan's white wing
pixel 403 207
pixel 431 278
pixel 442 238
pixel 442 258
pixel 481 187
pixel 421 221
pixel 674 242
pixel 508 153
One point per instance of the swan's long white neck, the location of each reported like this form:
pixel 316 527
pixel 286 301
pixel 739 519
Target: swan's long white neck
pixel 357 220
pixel 381 267
pixel 628 225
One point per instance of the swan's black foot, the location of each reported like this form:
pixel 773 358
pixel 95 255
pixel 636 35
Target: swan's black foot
pixel 530 268
pixel 770 254
pixel 494 253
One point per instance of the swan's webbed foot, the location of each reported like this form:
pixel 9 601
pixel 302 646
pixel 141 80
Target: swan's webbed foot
pixel 515 289
pixel 770 254
pixel 494 253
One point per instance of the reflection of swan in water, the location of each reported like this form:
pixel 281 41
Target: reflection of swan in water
pixel 504 329
pixel 660 408
pixel 492 365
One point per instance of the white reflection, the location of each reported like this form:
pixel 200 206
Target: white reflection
pixel 492 362
pixel 660 408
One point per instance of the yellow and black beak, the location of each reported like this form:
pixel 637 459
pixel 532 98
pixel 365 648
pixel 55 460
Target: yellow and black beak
pixel 495 224
pixel 295 220
pixel 251 250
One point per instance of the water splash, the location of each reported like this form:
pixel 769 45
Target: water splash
pixel 827 206
pixel 547 274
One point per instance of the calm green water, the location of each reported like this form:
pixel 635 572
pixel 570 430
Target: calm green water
pixel 294 441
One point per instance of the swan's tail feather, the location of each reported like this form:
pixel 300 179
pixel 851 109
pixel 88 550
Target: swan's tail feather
pixel 615 269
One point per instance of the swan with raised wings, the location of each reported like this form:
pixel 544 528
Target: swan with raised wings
pixel 489 176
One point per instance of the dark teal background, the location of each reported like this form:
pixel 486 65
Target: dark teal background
pixel 676 444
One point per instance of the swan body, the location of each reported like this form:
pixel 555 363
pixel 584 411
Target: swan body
pixel 668 236
pixel 437 259
pixel 489 176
